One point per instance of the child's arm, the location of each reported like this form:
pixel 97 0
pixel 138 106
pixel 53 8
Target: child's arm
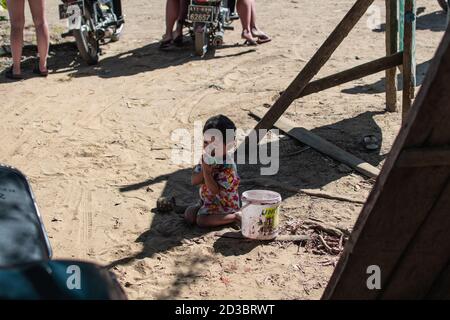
pixel 212 185
pixel 197 176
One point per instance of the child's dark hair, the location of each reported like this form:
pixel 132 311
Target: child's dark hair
pixel 224 124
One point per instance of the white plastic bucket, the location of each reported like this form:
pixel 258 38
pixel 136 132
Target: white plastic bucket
pixel 260 214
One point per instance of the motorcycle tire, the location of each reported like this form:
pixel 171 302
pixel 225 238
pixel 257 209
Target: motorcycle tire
pixel 443 4
pixel 87 45
pixel 201 43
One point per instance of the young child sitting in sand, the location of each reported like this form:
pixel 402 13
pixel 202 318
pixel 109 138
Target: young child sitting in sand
pixel 217 176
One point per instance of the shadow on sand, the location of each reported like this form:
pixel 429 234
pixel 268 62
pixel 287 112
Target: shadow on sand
pixel 64 58
pixel 309 170
pixel 433 21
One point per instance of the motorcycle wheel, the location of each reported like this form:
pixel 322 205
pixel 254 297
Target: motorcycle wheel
pixel 443 4
pixel 87 44
pixel 201 43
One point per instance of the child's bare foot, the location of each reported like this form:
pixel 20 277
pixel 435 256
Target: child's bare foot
pixel 190 215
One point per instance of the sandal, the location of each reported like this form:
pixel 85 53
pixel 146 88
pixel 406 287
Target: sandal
pixel 38 71
pixel 262 37
pixel 371 143
pixel 165 44
pixel 249 42
pixel 178 41
pixel 10 74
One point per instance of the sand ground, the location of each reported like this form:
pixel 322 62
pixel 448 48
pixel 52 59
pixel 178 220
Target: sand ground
pixel 96 145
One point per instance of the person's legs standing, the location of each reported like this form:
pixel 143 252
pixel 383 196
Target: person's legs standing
pixel 16 9
pixel 172 12
pixel 244 9
pixel 37 8
pixel 182 14
pixel 262 37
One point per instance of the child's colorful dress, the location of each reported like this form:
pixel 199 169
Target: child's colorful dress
pixel 227 200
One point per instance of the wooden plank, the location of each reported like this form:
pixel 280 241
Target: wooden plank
pixel 391 48
pixel 409 70
pixel 271 183
pixel 315 64
pixel 424 157
pixel 403 201
pixel 321 145
pixel 352 74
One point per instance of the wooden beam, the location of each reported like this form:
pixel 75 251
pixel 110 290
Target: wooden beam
pixel 405 220
pixel 424 157
pixel 409 70
pixel 440 291
pixel 352 74
pixel 391 48
pixel 321 145
pixel 315 64
pixel 426 256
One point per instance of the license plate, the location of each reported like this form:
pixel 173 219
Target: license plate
pixel 67 10
pixel 201 14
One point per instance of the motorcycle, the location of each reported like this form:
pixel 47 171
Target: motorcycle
pixel 207 21
pixel 27 270
pixel 90 22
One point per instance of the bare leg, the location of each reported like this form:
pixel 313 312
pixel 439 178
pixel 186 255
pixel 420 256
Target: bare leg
pixel 190 215
pixel 37 8
pixel 244 9
pixel 16 9
pixel 253 14
pixel 172 13
pixel 215 220
pixel 254 29
pixel 182 13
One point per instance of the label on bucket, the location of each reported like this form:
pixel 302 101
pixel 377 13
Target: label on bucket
pixel 269 224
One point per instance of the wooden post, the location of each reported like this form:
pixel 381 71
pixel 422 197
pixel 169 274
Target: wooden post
pixel 401 23
pixel 315 64
pixel 409 68
pixel 391 48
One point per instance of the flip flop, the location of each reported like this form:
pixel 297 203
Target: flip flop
pixel 234 16
pixel 250 42
pixel 38 71
pixel 263 39
pixel 165 44
pixel 178 41
pixel 165 204
pixel 9 74
pixel 371 143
